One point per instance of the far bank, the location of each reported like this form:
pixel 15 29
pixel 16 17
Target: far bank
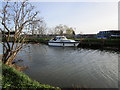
pixel 110 44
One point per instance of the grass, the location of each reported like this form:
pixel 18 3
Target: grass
pixel 37 40
pixel 111 42
pixel 0 74
pixel 14 79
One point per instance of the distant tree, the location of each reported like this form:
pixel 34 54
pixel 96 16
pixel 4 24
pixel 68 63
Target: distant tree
pixel 42 28
pixel 15 17
pixel 38 28
pixel 34 26
pixel 59 29
pixel 73 33
pixel 51 31
pixel 62 30
pixel 70 31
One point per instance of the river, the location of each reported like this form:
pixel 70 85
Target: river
pixel 71 67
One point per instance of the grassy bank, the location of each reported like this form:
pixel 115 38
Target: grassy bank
pixel 89 41
pixel 112 44
pixel 37 40
pixel 14 79
pixel 0 74
pixel 100 43
pixel 85 42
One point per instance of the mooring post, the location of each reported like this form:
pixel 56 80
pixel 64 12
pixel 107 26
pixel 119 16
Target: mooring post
pixel 74 44
pixel 63 44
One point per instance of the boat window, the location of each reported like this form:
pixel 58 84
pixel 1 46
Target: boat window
pixel 63 37
pixel 54 39
pixel 58 38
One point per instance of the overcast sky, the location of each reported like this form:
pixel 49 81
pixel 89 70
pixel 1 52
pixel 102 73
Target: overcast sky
pixel 86 17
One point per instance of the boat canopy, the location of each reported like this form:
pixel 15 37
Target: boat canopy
pixel 60 38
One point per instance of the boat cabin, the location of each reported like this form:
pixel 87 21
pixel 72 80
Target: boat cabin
pixel 59 38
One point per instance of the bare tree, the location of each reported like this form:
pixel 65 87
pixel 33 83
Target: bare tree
pixel 59 29
pixel 51 31
pixel 63 29
pixel 15 17
pixel 70 31
pixel 38 28
pixel 34 27
pixel 42 28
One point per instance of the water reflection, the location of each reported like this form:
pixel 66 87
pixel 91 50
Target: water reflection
pixel 71 67
pixel 68 67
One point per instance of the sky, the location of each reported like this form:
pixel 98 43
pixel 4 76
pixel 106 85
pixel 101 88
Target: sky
pixel 85 17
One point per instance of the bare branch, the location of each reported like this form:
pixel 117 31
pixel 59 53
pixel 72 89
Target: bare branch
pixel 15 18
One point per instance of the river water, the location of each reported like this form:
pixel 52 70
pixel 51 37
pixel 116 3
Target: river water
pixel 70 67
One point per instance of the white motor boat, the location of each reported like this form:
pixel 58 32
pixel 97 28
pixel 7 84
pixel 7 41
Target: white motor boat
pixel 62 41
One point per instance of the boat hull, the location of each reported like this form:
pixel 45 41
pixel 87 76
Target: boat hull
pixel 63 44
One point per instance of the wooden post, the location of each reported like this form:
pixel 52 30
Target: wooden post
pixel 63 44
pixel 74 44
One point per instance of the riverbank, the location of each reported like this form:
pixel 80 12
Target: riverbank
pixel 104 44
pixel 14 79
pixel 92 43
